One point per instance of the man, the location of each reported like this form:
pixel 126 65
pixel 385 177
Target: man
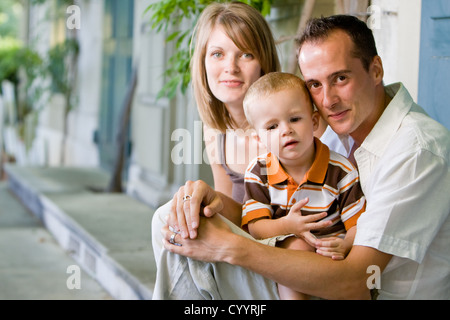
pixel 403 159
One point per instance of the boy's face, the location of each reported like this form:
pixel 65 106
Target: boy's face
pixel 285 122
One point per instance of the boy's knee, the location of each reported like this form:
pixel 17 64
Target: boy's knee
pixel 295 243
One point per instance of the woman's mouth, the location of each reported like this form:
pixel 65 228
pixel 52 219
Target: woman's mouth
pixel 231 83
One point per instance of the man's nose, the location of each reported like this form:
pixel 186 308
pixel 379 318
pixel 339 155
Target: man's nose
pixel 329 98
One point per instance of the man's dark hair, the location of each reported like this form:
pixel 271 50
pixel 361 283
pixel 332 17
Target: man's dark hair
pixel 318 29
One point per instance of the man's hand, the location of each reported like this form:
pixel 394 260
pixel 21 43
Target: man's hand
pixel 209 245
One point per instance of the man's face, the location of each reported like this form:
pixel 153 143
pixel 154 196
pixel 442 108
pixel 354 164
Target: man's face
pixel 343 91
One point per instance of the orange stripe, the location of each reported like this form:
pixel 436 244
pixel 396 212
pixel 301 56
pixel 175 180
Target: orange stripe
pixel 354 219
pixel 319 208
pixel 338 162
pixel 252 179
pixel 255 214
pixel 350 183
pixel 329 189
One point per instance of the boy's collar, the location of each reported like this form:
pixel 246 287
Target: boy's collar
pixel 276 174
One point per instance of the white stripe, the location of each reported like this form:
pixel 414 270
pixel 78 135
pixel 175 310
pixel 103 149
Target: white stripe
pixel 255 206
pixel 356 209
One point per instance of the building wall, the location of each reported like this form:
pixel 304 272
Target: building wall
pixel 81 149
pixel 398 41
pixel 158 126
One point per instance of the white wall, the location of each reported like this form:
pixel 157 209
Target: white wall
pixel 398 41
pixel 83 120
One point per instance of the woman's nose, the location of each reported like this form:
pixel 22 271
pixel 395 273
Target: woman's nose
pixel 232 65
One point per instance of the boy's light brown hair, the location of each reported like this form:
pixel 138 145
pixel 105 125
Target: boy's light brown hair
pixel 269 84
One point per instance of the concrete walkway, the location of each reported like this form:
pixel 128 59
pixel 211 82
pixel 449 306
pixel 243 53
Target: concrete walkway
pixel 32 264
pixel 108 235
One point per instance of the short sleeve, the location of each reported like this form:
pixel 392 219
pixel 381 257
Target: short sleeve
pixel 407 203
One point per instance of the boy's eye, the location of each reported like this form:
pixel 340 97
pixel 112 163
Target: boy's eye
pixel 295 119
pixel 272 127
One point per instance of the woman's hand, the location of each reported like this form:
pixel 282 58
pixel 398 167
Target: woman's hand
pixel 192 200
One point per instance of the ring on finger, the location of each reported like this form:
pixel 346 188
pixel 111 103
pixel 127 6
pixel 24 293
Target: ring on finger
pixel 187 198
pixel 172 239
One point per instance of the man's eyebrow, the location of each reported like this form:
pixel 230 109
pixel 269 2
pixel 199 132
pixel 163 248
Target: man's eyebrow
pixel 331 76
pixel 334 74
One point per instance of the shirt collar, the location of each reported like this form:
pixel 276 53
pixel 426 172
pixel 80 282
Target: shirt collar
pixel 276 174
pixel 390 120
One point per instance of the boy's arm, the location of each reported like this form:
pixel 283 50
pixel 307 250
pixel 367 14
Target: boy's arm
pixel 266 228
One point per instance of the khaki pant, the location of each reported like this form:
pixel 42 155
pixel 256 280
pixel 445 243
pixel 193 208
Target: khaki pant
pixel 182 278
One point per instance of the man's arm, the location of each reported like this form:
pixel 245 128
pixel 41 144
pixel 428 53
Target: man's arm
pixel 302 271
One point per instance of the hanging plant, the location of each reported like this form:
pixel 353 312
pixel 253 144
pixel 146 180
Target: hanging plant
pixel 169 16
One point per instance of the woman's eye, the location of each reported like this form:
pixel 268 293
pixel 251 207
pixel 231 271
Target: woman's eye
pixel 247 56
pixel 217 54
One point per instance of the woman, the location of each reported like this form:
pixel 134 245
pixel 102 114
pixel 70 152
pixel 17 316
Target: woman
pixel 233 47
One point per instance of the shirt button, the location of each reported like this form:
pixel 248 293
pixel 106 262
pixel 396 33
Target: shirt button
pixel 293 201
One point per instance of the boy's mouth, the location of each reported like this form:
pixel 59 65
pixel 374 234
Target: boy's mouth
pixel 290 144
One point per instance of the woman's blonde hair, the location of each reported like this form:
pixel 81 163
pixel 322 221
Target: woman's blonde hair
pixel 250 32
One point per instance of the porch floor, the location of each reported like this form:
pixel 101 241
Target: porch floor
pixel 107 234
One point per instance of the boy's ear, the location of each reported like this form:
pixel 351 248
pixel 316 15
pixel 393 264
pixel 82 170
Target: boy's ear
pixel 315 119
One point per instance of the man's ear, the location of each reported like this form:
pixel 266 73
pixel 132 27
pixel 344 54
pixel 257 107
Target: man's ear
pixel 377 70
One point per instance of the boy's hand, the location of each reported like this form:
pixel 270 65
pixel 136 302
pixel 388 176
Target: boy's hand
pixel 301 225
pixel 333 247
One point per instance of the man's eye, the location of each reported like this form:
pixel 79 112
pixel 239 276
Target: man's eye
pixel 314 85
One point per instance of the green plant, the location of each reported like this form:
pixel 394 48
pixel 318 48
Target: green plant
pixel 14 58
pixel 169 16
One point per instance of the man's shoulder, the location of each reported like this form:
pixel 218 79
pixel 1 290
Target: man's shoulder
pixel 421 132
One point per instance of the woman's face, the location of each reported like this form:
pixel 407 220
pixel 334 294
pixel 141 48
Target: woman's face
pixel 229 71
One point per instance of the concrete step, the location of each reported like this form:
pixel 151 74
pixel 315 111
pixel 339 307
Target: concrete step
pixel 108 234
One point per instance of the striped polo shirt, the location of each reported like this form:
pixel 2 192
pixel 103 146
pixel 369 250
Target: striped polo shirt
pixel 331 184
